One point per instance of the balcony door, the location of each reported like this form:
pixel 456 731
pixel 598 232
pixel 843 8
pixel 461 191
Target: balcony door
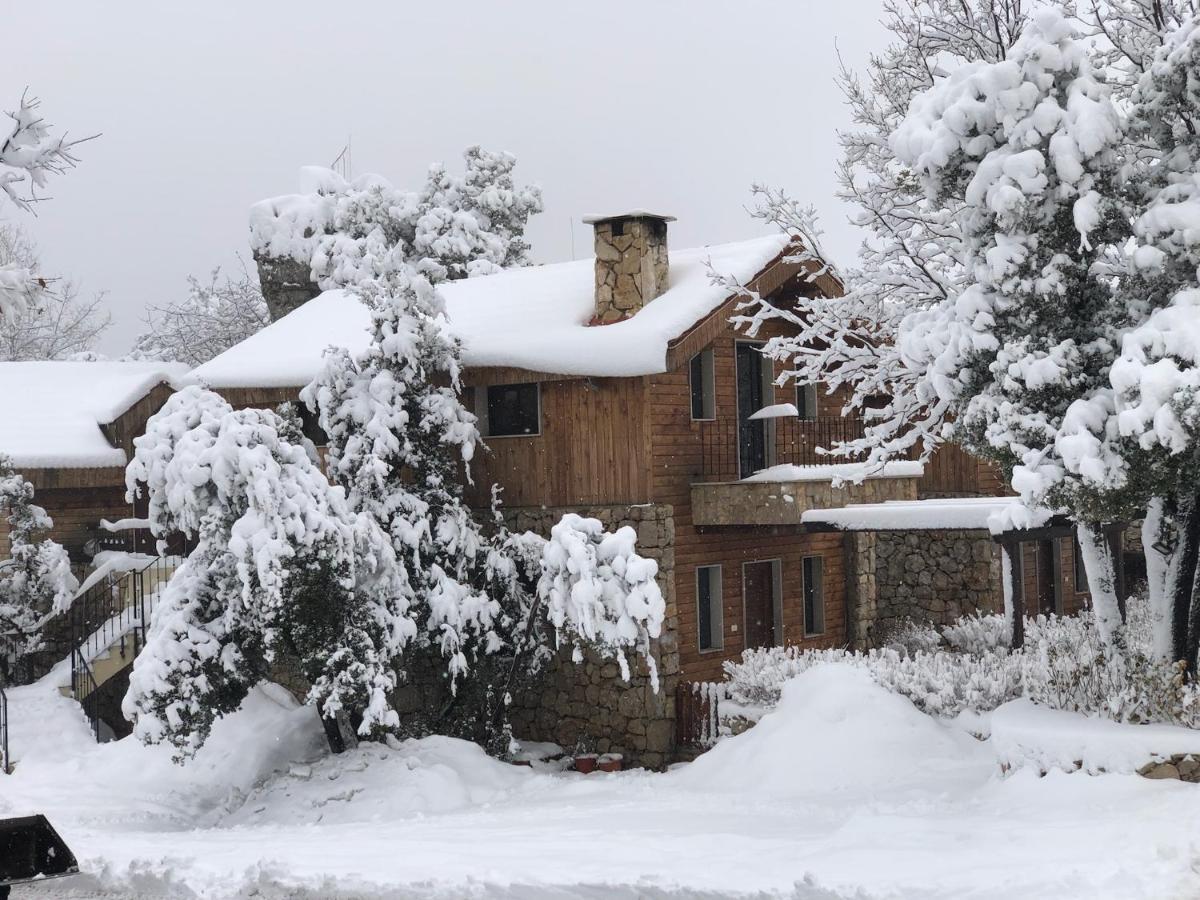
pixel 753 389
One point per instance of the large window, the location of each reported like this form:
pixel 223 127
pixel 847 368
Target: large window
pixel 709 615
pixel 806 401
pixel 703 385
pixel 508 410
pixel 814 596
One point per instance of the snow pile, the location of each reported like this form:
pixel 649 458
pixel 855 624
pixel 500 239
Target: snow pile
pixel 52 411
pixel 837 731
pixel 1024 733
pixel 839 473
pixel 376 782
pixel 59 764
pixel 533 318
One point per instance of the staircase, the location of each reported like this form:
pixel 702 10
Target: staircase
pixel 106 629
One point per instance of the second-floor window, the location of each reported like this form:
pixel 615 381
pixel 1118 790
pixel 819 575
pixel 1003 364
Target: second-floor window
pixel 703 385
pixel 509 410
pixel 806 401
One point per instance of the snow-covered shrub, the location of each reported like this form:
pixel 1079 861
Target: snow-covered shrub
pixel 978 633
pixel 36 579
pixel 911 637
pixel 1064 664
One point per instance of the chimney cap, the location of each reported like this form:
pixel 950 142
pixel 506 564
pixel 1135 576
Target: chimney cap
pixel 631 214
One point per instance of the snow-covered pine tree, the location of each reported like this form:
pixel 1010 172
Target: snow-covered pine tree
pixel 281 566
pixel 35 574
pixel 470 224
pixel 401 442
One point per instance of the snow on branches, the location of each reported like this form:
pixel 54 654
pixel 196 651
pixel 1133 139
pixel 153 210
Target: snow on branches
pixel 215 315
pixel 471 224
pixel 282 566
pixel 29 154
pixel 599 592
pixel 36 579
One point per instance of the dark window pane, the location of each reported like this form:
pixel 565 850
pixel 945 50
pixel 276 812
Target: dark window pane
pixel 512 409
pixel 710 622
pixel 814 599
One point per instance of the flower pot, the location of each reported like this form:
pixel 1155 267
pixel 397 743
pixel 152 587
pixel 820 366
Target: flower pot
pixel 585 763
pixel 610 762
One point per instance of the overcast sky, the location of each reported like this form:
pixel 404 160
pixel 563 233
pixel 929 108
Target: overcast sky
pixel 206 108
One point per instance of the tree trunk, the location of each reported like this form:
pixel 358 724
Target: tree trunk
pixel 1182 640
pixel 1160 541
pixel 1102 582
pixel 339 732
pixel 1014 593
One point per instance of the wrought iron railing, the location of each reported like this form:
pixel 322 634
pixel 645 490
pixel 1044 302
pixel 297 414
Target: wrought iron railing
pixel 733 449
pixel 5 761
pixel 112 615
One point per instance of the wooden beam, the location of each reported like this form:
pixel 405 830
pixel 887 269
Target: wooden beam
pixel 1016 577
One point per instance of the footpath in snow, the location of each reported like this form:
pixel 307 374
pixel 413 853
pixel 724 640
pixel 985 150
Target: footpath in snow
pixel 844 791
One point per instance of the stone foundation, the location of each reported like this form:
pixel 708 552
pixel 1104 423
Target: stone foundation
pixel 931 576
pixel 587 706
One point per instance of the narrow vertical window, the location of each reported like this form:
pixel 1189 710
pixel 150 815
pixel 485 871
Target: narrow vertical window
pixel 806 401
pixel 814 596
pixel 703 385
pixel 709 617
pixel 1081 582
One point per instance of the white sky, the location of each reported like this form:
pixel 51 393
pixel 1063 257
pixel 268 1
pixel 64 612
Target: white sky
pixel 205 108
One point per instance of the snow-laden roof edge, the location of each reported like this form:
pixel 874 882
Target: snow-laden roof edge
pixel 997 515
pixel 854 473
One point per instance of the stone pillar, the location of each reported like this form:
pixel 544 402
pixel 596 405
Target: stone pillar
pixel 632 267
pixel 286 284
pixel 862 602
pixel 588 706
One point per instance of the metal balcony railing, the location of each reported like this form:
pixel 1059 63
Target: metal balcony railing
pixel 731 450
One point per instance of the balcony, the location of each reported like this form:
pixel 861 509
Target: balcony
pixel 784 474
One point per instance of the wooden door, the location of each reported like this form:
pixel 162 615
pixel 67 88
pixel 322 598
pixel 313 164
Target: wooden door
pixel 751 397
pixel 758 587
pixel 1048 578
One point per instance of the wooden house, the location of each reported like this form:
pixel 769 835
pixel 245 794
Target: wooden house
pixel 68 428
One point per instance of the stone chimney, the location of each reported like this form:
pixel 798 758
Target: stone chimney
pixel 286 284
pixel 631 262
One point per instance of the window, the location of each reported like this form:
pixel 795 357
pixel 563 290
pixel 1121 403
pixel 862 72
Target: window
pixel 709 608
pixel 1081 582
pixel 806 401
pixel 508 410
pixel 814 596
pixel 703 384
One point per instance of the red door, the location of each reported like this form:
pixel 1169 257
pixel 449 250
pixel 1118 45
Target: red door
pixel 758 586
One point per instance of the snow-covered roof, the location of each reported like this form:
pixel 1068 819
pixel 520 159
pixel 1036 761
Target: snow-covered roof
pixel 51 412
pixel 994 514
pixel 533 318
pixel 597 218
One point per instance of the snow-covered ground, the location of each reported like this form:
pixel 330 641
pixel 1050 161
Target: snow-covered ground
pixel 845 791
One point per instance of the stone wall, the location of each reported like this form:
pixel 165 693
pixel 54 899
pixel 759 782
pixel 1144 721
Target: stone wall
pixel 286 284
pixel 862 592
pixel 587 706
pixel 631 266
pixel 934 576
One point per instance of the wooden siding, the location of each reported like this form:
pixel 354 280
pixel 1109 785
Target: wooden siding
pixel 77 513
pixel 676 457
pixel 591 449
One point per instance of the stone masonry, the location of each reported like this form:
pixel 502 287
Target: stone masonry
pixel 587 706
pixel 926 576
pixel 631 265
pixel 286 284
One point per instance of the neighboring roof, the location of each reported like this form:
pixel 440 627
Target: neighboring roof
pixel 533 318
pixel 595 219
pixel 995 514
pixel 51 412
